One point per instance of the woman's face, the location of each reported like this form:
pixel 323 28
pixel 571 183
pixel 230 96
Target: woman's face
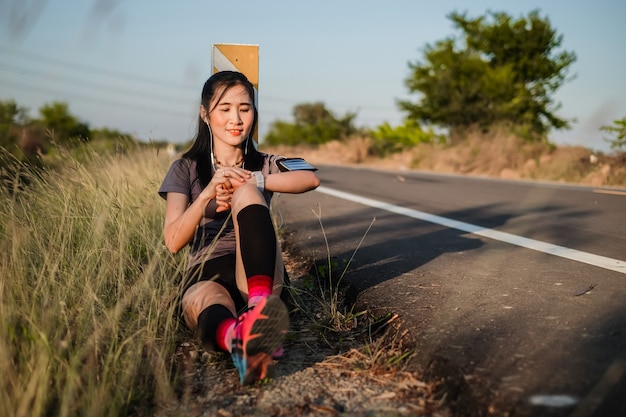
pixel 231 118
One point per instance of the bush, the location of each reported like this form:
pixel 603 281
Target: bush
pixel 314 125
pixel 388 140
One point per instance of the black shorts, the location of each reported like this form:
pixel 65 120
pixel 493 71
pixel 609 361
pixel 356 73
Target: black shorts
pixel 220 270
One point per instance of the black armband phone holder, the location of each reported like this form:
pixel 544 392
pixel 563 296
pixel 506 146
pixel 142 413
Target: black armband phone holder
pixel 294 164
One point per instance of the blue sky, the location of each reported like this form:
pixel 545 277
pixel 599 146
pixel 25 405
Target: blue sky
pixel 138 65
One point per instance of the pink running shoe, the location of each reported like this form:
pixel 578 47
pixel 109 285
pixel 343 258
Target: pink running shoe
pixel 258 334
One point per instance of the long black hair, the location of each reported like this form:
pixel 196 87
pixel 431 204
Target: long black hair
pixel 201 148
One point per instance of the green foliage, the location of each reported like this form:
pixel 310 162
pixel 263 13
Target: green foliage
pixel 62 126
pixel 29 139
pixel 11 117
pixel 313 124
pixel 111 135
pixel 281 132
pixel 619 129
pixel 506 72
pixel 387 140
pixel 107 140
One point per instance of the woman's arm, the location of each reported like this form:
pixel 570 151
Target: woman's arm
pixel 292 182
pixel 181 220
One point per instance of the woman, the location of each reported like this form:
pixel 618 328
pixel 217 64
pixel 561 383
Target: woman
pixel 217 202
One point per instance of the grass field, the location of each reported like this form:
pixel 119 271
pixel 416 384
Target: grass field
pixel 87 312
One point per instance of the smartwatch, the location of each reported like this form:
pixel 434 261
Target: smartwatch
pixel 260 180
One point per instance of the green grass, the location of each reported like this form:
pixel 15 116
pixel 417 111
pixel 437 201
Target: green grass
pixel 88 314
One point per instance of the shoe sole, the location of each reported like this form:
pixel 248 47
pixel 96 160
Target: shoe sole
pixel 264 338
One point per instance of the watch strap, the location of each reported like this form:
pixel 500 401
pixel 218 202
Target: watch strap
pixel 260 180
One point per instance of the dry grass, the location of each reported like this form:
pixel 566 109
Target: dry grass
pixel 496 154
pixel 87 318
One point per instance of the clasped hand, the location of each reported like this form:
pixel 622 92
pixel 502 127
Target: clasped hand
pixel 226 181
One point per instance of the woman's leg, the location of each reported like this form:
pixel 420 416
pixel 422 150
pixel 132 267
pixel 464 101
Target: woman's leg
pixel 209 310
pixel 260 268
pixel 260 331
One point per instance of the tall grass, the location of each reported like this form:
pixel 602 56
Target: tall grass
pixel 87 294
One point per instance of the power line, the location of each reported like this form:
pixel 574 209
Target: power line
pixel 34 57
pixel 100 100
pixel 161 83
pixel 105 87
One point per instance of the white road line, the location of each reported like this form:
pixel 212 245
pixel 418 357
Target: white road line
pixel 563 252
pixel 612 192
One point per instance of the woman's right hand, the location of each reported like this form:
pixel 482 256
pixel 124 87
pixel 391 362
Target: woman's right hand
pixel 223 183
pixel 223 197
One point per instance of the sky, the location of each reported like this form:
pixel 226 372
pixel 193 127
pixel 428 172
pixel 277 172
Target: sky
pixel 138 66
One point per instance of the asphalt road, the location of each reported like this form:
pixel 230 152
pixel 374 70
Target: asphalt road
pixel 516 290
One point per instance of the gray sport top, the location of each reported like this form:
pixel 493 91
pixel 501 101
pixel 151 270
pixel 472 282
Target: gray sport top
pixel 215 235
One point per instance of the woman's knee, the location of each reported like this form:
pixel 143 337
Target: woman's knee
pixel 246 195
pixel 202 295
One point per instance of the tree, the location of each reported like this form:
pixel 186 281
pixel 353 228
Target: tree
pixel 619 129
pixel 62 125
pixel 313 124
pixel 506 72
pixel 12 117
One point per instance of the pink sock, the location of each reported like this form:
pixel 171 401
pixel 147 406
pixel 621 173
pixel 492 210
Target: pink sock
pixel 259 287
pixel 224 334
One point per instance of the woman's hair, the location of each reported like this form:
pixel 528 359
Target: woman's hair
pixel 200 151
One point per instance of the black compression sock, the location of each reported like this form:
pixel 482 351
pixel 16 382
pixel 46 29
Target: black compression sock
pixel 208 322
pixel 257 240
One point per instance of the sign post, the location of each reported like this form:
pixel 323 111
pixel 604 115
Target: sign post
pixel 241 58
